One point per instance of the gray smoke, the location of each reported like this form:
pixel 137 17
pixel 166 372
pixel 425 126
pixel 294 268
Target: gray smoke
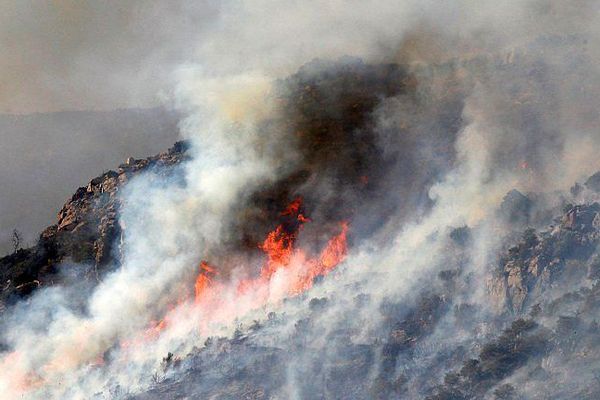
pixel 85 55
pixel 494 84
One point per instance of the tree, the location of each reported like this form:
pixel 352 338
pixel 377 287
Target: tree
pixel 17 238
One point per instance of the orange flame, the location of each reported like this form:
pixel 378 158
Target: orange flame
pixel 204 279
pixel 287 271
pixel 279 247
pixel 286 267
pixel 333 254
pixel 294 207
pixel 283 256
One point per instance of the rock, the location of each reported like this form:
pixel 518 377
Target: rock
pixel 593 182
pixel 87 230
pixel 569 220
pixel 497 290
pixel 581 218
pixel 532 267
pixel 517 287
pixel 576 190
pixel 516 207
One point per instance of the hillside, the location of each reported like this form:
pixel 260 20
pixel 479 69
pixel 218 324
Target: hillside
pixel 44 156
pixel 547 292
pixel 382 232
pixel 83 244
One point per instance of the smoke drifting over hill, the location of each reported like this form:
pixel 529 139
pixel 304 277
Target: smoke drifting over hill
pixel 44 157
pixel 336 231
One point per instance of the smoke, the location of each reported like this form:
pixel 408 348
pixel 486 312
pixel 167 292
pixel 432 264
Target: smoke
pixel 89 57
pixel 450 109
pixel 82 55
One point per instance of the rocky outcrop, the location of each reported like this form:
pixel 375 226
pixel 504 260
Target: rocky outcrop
pixel 516 207
pixel 87 230
pixel 541 259
pixel 593 183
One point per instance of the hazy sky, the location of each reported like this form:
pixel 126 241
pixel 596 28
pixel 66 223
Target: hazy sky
pixel 58 55
pixel 89 54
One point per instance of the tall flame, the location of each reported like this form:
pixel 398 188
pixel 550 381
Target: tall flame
pixel 286 271
pixel 204 279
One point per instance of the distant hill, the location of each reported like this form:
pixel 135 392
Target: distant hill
pixel 45 157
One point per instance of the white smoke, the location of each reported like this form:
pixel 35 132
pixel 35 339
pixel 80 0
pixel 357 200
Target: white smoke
pixel 169 225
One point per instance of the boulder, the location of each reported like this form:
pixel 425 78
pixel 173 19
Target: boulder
pixel 593 182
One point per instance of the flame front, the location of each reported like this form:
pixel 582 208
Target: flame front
pixel 287 270
pixel 204 279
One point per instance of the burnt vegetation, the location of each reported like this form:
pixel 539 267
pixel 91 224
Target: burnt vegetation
pixel 344 160
pixel 442 342
pixel 412 357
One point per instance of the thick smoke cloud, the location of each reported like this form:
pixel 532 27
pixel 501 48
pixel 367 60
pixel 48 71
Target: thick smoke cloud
pixel 452 140
pixel 89 55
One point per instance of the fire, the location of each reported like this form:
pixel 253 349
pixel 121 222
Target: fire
pixel 293 270
pixel 286 271
pixel 279 247
pixel 294 207
pixel 293 210
pixel 20 378
pixel 282 256
pixel 155 329
pixel 204 279
pixel 333 254
pixel 279 244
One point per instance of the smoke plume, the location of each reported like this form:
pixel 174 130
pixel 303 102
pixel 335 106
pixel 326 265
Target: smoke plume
pixel 402 123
